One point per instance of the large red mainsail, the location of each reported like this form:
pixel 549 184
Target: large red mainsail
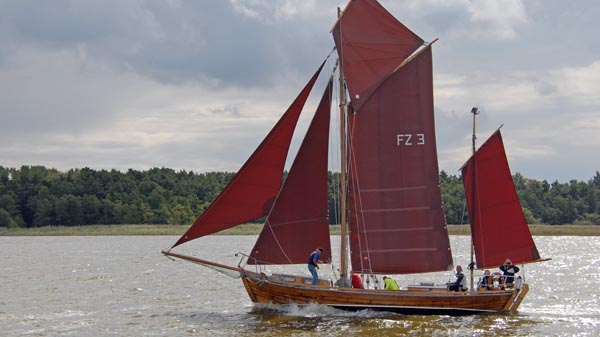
pixel 298 222
pixel 251 192
pixel 397 222
pixel 498 225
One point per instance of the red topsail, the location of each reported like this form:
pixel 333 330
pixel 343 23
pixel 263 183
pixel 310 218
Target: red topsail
pixel 371 44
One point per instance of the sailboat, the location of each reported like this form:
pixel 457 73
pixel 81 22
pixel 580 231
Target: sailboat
pixel 392 214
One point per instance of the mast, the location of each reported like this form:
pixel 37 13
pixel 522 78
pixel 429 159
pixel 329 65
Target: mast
pixel 343 185
pixel 475 112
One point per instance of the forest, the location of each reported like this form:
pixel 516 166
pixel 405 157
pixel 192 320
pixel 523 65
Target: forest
pixel 36 196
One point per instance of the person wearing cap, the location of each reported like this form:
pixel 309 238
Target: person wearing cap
pixel 509 271
pixel 313 264
pixel 390 284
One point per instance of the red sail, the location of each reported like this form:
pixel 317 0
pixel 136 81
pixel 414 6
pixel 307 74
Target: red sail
pixel 250 194
pixel 371 43
pixel 397 220
pixel 298 222
pixel 498 225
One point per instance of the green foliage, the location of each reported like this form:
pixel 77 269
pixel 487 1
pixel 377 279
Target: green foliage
pixel 575 202
pixel 453 194
pixel 34 196
pixel 6 220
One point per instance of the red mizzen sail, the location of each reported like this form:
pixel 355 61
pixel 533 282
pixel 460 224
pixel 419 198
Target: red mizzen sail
pixel 371 44
pixel 298 222
pixel 250 194
pixel 498 225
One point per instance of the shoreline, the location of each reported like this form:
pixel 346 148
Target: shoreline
pixel 253 229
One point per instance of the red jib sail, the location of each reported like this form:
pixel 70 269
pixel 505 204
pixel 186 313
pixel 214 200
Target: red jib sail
pixel 498 225
pixel 298 222
pixel 250 194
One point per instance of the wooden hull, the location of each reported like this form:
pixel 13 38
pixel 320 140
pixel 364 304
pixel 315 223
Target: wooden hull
pixel 291 289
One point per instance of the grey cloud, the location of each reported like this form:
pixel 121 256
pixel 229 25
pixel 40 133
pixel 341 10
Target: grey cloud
pixel 545 88
pixel 107 68
pixel 193 42
pixel 225 110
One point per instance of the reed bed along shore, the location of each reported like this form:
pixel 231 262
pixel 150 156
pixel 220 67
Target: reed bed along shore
pixel 254 229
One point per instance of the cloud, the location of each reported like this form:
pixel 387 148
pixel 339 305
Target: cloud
pixel 472 20
pixel 541 125
pixel 269 11
pixel 196 84
pixel 498 18
pixel 59 90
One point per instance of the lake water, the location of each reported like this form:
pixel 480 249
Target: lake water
pixel 123 286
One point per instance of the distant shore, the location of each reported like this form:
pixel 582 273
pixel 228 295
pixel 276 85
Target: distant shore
pixel 253 229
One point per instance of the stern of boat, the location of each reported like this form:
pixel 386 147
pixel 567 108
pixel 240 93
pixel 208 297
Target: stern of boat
pixel 513 305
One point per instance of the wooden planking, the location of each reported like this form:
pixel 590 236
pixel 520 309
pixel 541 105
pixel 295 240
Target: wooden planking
pixel 267 291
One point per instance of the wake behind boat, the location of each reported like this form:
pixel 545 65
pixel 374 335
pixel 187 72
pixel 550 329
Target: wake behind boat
pixel 392 215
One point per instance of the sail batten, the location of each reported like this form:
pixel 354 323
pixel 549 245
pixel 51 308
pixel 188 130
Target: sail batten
pixel 407 229
pixel 389 210
pixel 402 250
pixel 394 189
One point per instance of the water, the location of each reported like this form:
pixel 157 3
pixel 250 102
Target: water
pixel 123 286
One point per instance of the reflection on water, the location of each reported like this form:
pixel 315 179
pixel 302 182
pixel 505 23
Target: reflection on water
pixel 122 286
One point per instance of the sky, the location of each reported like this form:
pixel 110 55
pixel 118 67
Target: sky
pixel 196 85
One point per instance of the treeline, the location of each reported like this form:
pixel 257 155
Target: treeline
pixel 575 202
pixel 34 196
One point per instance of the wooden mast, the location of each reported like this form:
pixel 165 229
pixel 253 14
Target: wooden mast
pixel 475 112
pixel 343 184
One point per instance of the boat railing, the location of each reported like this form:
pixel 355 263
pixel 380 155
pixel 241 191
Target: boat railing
pixel 259 266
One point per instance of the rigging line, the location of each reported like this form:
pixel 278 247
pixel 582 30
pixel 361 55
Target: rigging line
pixel 343 191
pixel 358 206
pixel 332 157
pixel 277 241
pixel 362 215
pixel 334 153
pixel 462 222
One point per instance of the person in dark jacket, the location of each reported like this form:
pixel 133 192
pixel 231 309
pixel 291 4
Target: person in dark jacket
pixel 509 270
pixel 461 282
pixel 487 282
